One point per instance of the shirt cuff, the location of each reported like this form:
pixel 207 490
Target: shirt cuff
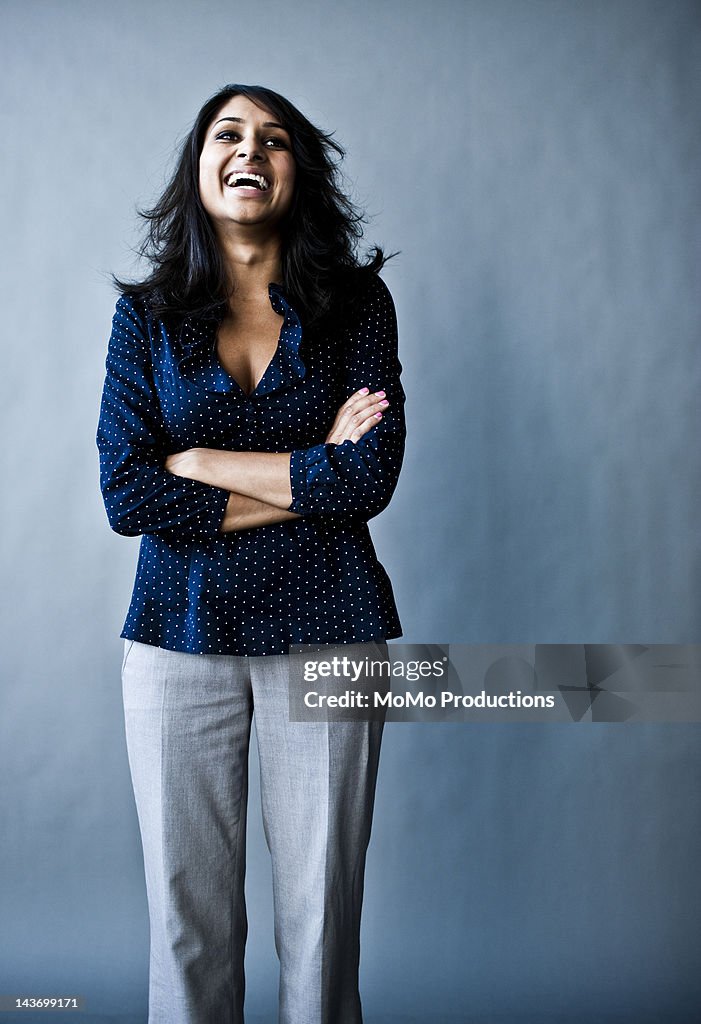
pixel 210 503
pixel 308 467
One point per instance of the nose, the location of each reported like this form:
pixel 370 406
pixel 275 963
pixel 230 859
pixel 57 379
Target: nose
pixel 249 148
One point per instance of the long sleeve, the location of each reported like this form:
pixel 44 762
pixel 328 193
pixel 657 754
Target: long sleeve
pixel 140 495
pixel 358 479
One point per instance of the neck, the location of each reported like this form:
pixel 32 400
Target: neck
pixel 251 263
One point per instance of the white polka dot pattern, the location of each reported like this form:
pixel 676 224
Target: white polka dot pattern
pixel 253 592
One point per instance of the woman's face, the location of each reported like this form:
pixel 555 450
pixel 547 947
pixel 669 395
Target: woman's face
pixel 247 170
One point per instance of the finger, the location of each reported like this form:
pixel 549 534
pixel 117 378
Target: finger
pixel 357 425
pixel 360 411
pixel 366 424
pixel 356 407
pixel 362 398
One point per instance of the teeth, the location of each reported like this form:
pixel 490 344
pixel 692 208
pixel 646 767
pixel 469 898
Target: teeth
pixel 236 176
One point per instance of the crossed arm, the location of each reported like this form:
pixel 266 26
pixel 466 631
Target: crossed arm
pixel 259 482
pixel 204 491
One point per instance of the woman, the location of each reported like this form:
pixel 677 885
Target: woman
pixel 251 424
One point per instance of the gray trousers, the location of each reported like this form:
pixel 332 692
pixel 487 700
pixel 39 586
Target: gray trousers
pixel 188 720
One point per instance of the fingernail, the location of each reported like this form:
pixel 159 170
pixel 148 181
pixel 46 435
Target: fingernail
pixel 378 415
pixel 385 402
pixel 380 394
pixel 364 391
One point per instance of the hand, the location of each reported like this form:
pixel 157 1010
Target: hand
pixel 360 413
pixel 186 464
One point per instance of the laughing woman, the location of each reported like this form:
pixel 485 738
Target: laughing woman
pixel 251 424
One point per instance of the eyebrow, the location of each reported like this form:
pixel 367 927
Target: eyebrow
pixel 241 120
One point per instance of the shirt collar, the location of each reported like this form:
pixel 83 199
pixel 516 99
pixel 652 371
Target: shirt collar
pixel 289 366
pixel 197 333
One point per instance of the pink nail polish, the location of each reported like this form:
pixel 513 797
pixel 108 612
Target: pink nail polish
pixel 378 415
pixel 364 391
pixel 385 402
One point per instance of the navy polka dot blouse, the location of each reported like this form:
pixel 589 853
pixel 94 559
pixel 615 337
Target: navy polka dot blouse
pixel 252 592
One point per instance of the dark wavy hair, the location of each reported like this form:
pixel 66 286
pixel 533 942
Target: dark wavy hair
pixel 320 262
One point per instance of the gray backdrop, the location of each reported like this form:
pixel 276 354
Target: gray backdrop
pixel 537 164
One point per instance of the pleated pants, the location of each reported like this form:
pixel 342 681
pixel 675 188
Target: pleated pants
pixel 188 722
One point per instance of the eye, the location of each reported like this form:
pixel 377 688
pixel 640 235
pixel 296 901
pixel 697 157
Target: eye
pixel 227 134
pixel 274 142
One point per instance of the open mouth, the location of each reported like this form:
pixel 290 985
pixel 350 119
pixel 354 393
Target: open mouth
pixel 244 179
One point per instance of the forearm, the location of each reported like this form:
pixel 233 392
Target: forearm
pixel 263 476
pixel 244 513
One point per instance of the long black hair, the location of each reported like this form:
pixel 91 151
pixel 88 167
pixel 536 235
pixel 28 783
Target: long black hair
pixel 320 261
